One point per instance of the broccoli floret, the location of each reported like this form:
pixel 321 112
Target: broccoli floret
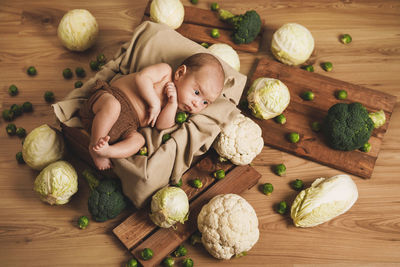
pixel 246 26
pixel 347 126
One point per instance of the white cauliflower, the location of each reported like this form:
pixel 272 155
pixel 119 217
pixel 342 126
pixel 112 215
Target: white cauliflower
pixel 229 226
pixel 240 141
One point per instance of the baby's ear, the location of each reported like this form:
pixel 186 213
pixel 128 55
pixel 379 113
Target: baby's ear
pixel 180 71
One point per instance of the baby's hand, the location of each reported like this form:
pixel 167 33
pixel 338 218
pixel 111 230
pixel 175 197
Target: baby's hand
pixel 154 111
pixel 170 90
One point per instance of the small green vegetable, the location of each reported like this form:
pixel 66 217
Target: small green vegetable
pixel 21 133
pixel 78 84
pixel 366 147
pixel 27 107
pixel 188 262
pixel 67 73
pixel 132 263
pixel 13 90
pixel 297 184
pixel 341 94
pixel 281 207
pixel 222 159
pixel 293 137
pixel 280 169
pixel 316 126
pixel 309 68
pixel 80 72
pixel 31 71
pixel 168 261
pixel 165 137
pixel 281 119
pixel 327 66
pixel 345 38
pixel 49 96
pixel 143 151
pixel 19 157
pixel 195 238
pixel 17 109
pixel 194 2
pixel 94 65
pixel 219 174
pixel 101 58
pixel 308 96
pixel 215 33
pixel 147 254
pixel 214 6
pixel 267 189
pixel 8 115
pixel 180 251
pixel 196 183
pixel 179 184
pixel 11 129
pixel 181 117
pixel 205 45
pixel 83 222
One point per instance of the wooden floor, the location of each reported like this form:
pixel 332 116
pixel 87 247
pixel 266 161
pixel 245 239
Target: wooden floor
pixel 33 233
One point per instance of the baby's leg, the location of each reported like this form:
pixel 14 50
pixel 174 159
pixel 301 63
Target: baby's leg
pixel 106 109
pixel 127 147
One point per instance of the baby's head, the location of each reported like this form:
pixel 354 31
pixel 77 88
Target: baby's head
pixel 199 81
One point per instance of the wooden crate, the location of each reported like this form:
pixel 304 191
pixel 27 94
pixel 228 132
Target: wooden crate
pixel 300 114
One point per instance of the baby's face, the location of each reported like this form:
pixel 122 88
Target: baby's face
pixel 197 89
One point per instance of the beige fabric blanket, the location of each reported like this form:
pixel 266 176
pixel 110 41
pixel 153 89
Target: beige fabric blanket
pixel 141 176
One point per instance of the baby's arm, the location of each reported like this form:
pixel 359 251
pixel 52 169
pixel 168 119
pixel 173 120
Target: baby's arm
pixel 145 80
pixel 166 119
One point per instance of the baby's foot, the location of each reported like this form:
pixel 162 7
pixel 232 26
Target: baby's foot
pixel 101 147
pixel 102 163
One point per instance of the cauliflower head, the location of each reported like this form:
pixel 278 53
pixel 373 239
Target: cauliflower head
pixel 229 226
pixel 240 141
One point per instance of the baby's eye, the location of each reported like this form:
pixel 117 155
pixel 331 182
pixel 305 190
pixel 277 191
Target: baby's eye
pixel 205 102
pixel 196 92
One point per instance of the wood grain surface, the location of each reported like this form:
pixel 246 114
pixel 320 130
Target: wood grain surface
pixel 33 233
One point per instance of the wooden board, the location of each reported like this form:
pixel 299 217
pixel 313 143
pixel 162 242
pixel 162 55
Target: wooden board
pixel 300 114
pixel 198 23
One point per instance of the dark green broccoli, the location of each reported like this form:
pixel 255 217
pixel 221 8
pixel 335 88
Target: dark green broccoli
pixel 246 26
pixel 106 200
pixel 347 126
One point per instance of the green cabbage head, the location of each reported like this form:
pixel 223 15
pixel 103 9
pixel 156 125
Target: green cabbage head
pixel 169 205
pixel 268 98
pixel 42 146
pixel 324 200
pixel 57 183
pixel 170 12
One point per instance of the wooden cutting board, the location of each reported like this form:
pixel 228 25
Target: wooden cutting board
pixel 300 114
pixel 198 23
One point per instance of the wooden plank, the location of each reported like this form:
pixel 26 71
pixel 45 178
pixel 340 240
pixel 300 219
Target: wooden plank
pixel 300 114
pixel 236 181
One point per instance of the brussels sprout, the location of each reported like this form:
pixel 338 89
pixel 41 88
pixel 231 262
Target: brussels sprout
pixel 197 183
pixel 147 254
pixel 67 73
pixel 215 33
pixel 309 68
pixel 280 169
pixel 345 38
pixel 308 96
pixel 281 119
pixel 219 174
pixel 78 84
pixel 31 71
pixel 293 137
pixel 27 107
pixel 132 263
pixel 8 115
pixel 281 208
pixel 341 94
pixel 205 45
pixel 17 109
pixel 143 151
pixel 21 133
pixel 180 251
pixel 194 2
pixel 327 66
pixel 267 189
pixel 80 72
pixel 19 157
pixel 195 238
pixel 366 147
pixel 316 126
pixel 214 6
pixel 188 262
pixel 101 58
pixel 168 261
pixel 11 129
pixel 179 184
pixel 13 90
pixel 83 222
pixel 94 65
pixel 49 96
pixel 297 185
pixel 181 117
pixel 165 137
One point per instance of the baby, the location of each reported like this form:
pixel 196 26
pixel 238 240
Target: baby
pixel 150 97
